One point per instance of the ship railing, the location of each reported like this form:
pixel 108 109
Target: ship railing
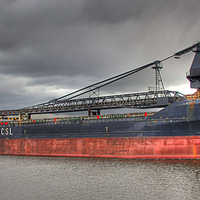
pixel 97 121
pixel 80 119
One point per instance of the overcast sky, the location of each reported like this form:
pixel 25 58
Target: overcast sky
pixel 51 47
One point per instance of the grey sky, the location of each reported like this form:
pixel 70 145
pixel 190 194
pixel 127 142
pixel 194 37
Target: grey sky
pixel 49 48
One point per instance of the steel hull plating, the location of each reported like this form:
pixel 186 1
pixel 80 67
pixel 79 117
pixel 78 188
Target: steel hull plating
pixel 156 147
pixel 173 132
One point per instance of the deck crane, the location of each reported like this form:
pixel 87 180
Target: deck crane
pixel 151 99
pixel 113 79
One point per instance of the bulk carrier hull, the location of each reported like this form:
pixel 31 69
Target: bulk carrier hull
pixel 173 132
pixel 185 147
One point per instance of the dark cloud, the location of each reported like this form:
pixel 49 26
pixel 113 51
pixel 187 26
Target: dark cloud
pixel 48 48
pixel 114 11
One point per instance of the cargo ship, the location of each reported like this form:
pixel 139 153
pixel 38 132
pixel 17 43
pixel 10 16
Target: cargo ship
pixel 171 133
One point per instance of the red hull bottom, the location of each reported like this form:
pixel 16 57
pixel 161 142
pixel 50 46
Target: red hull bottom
pixel 183 147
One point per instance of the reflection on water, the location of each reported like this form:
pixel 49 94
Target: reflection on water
pixel 97 178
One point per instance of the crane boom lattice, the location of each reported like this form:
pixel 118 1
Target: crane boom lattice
pixel 72 102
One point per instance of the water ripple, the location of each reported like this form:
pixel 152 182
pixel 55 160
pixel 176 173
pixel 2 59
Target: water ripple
pixel 97 178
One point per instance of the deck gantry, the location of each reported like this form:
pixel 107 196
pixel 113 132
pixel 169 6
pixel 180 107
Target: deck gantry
pixel 72 101
pixel 150 99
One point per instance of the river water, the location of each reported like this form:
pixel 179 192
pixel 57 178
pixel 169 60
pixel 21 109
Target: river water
pixel 24 177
